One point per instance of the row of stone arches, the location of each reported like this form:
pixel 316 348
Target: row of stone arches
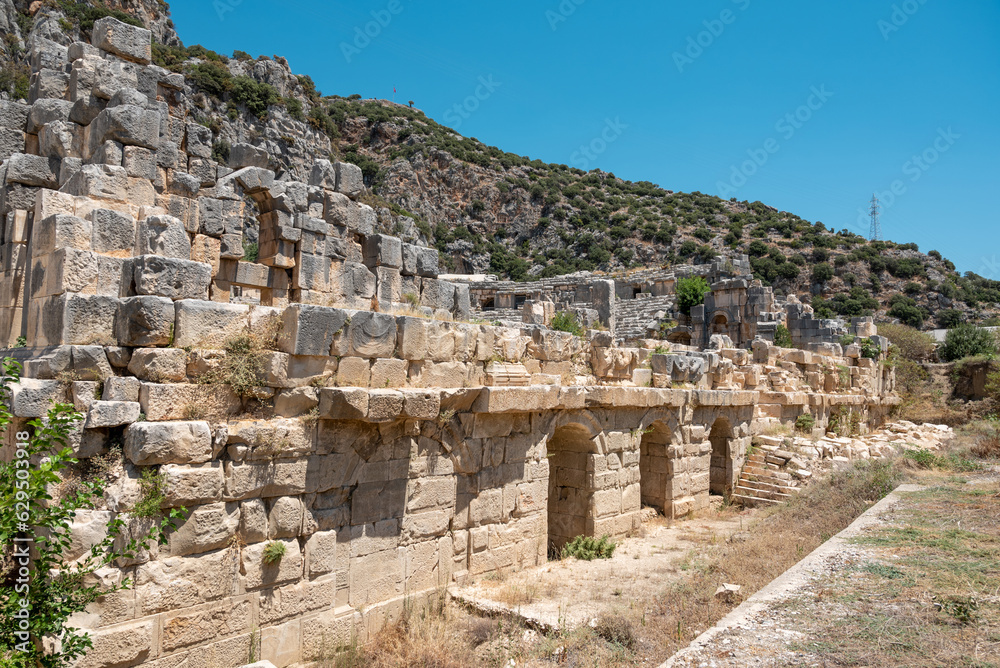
pixel 585 481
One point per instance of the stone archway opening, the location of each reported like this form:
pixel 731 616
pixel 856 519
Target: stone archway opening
pixel 569 507
pixel 720 324
pixel 720 481
pixel 654 468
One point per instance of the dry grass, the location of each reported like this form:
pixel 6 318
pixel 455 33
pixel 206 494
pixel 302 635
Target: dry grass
pixel 931 596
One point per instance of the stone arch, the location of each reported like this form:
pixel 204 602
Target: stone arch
pixel 571 447
pixel 655 467
pixel 719 323
pixel 584 420
pixel 720 479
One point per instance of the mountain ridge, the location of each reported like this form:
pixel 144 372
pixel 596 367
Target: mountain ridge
pixel 490 211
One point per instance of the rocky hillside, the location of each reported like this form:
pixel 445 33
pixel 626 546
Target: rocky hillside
pixel 496 212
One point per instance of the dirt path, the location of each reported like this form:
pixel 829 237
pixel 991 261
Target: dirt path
pixel 915 582
pixel 570 593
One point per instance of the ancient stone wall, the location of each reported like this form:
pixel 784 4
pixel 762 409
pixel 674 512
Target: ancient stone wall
pixel 333 396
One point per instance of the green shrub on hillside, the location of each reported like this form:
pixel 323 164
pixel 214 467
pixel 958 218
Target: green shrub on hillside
pixel 691 291
pixel 968 341
pixel 949 318
pixel 254 95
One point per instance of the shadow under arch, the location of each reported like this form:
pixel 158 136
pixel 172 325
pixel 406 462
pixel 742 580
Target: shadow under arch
pixel 720 480
pixel 656 468
pixel 572 450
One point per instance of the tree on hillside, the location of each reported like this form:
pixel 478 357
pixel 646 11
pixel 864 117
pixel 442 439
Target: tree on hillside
pixel 691 292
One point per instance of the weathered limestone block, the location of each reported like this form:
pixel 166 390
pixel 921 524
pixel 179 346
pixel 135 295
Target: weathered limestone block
pixel 296 401
pixel 159 365
pixel 83 394
pixel 72 319
pixel 42 113
pixel 145 321
pixel 206 528
pixel 112 231
pixel 33 170
pixel 260 575
pixel 381 250
pixel 192 485
pixel 463 302
pixel 101 182
pixel 60 139
pixel 350 180
pixel 246 155
pixel 357 281
pixel 266 478
pixel 384 405
pixel 163 235
pixel 438 294
pixel 172 583
pixel 32 398
pixel 309 330
pixel 343 403
pixel 284 518
pixel 321 554
pixel 149 443
pixel 173 401
pixel 353 372
pixel 128 41
pixel 121 388
pixel 105 414
pixel 126 124
pixel 421 404
pixel 66 270
pixel 61 231
pixel 372 335
pixel 389 285
pixel 311 272
pixel 124 644
pixel 411 337
pixel 388 373
pixel 208 250
pixel 173 278
pixel 282 370
pixel 202 324
pixel 427 262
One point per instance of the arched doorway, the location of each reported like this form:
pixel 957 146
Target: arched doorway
pixel 720 324
pixel 569 449
pixel 654 468
pixel 721 472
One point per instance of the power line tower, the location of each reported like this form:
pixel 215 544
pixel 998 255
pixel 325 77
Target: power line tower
pixel 876 230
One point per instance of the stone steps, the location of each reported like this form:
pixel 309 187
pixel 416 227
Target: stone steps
pixel 765 480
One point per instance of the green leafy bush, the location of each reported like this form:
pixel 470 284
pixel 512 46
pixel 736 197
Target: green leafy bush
pixel 822 273
pixel 782 337
pixel 588 549
pixel 57 588
pixel 220 151
pixel 691 291
pixel 871 349
pixel 911 343
pixel 949 318
pixel 967 341
pixel 85 14
pixel 210 77
pixel 256 96
pixel 564 321
pixel 805 423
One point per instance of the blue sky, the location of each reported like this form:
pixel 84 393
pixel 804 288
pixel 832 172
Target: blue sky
pixel 807 106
